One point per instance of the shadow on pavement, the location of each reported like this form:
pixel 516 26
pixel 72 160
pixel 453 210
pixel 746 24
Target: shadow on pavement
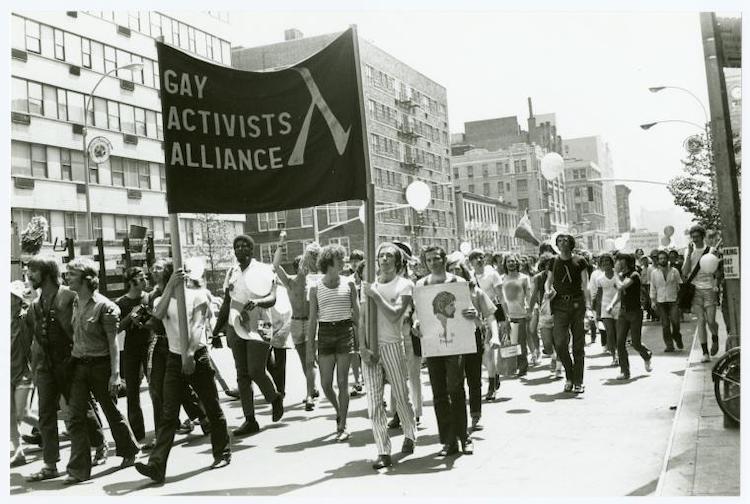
pixel 545 398
pixel 353 469
pixel 133 486
pixel 427 464
pixel 614 381
pixel 603 366
pixel 312 443
pixel 518 411
pixel 647 489
pixel 539 381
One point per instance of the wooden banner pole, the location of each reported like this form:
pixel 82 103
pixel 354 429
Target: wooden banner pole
pixel 370 259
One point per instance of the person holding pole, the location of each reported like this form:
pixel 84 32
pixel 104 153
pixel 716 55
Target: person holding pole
pixel 196 370
pixel 392 295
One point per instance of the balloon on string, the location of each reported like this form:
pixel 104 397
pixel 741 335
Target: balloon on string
pixel 465 248
pixel 620 243
pixel 709 263
pixel 609 244
pixel 668 231
pixel 665 240
pixel 553 165
pixel 418 195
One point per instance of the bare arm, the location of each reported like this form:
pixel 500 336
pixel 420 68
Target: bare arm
pixel 223 316
pixel 393 312
pixel 160 311
pixel 312 323
pixel 585 288
pixel 197 325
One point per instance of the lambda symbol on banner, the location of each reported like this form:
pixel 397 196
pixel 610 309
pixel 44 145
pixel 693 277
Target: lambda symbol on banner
pixel 340 137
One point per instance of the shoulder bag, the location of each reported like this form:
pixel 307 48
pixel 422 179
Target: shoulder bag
pixel 686 291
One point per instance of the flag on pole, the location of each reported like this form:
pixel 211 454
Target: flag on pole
pixel 524 231
pixel 248 142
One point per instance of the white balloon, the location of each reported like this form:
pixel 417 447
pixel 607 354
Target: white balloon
pixel 620 243
pixel 709 263
pixel 194 267
pixel 362 213
pixel 609 244
pixel 553 165
pixel 418 195
pixel 465 248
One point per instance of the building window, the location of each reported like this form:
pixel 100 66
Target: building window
pixel 62 105
pixel 470 171
pixel 486 188
pixel 118 172
pixel 522 185
pixel 20 162
pixel 523 204
pixel 159 127
pixel 59 45
pixel 127 118
pixel 306 217
pixel 336 213
pixel 133 21
pixel 162 177
pixel 110 59
pixel 33 37
pixel 96 221
pixel 66 166
pixel 36 103
pixel 121 227
pixel 144 175
pixel 19 95
pixel 271 221
pixel 140 122
pixel 39 161
pixel 113 115
pixel 86 53
pixel 70 225
pixel 93 173
pixel 343 241
pixel 499 187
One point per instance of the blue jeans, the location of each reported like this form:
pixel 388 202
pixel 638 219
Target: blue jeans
pixel 670 323
pixel 568 313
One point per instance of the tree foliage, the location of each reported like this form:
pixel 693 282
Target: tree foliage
pixel 694 191
pixel 215 242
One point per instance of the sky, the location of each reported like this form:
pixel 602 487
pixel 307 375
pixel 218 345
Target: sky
pixel 592 69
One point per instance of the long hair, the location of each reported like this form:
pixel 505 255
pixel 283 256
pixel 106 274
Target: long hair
pixel 88 269
pixel 309 258
pixel 328 254
pixel 629 261
pixel 47 266
pixel 399 256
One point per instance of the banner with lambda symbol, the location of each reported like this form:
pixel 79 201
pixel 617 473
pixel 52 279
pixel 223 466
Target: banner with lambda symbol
pixel 247 142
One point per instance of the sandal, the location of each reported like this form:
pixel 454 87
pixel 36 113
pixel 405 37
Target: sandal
pixel 45 474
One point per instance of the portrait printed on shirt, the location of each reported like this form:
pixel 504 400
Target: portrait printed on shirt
pixel 445 331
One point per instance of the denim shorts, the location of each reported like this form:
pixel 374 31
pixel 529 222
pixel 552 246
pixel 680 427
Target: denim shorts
pixel 335 337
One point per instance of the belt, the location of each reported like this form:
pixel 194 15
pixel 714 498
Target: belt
pixel 300 318
pixel 338 323
pixel 568 297
pixel 92 360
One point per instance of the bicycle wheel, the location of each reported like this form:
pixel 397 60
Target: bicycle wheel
pixel 727 385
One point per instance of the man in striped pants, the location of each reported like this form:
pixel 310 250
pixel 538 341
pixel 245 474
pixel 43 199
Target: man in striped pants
pixel 392 295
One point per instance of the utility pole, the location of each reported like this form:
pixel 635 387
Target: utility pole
pixel 722 146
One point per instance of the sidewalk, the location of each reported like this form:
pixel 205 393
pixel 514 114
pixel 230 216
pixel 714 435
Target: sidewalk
pixel 704 456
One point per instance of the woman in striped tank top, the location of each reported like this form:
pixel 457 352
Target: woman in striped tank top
pixel 334 312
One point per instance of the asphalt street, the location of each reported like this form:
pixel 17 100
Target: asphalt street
pixel 537 441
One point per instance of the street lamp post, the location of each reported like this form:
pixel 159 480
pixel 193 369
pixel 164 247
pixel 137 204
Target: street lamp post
pixel 648 126
pixel 87 177
pixel 656 89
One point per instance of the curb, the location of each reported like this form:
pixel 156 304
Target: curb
pixel 670 443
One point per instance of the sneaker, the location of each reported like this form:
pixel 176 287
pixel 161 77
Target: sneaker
pixel 221 461
pixel 150 471
pixel 382 462
pixel 408 446
pixel 342 436
pixel 35 438
pixel 648 365
pixel 100 456
pixel 714 345
pixel 623 376
pixel 309 405
pixel 578 389
pixel 706 358
pixel 448 449
pixel 248 427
